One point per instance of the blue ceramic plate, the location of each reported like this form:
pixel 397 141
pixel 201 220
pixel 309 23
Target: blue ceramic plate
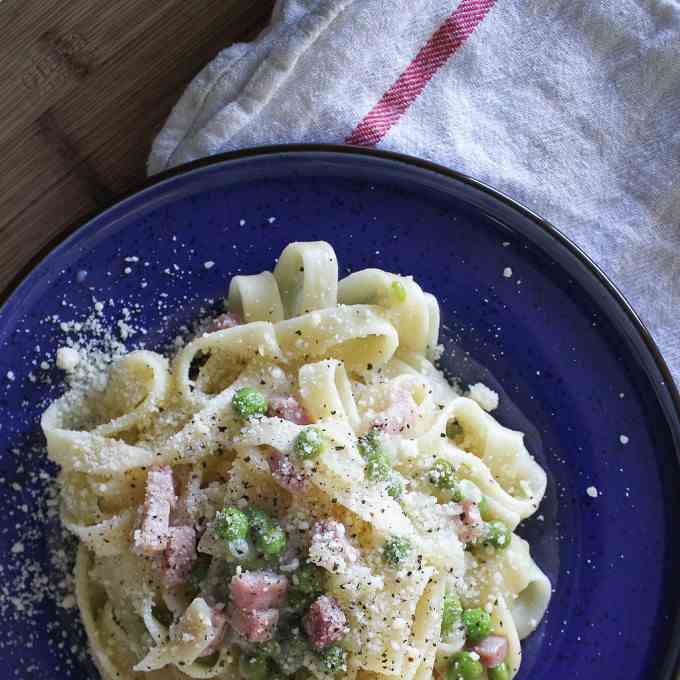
pixel 575 368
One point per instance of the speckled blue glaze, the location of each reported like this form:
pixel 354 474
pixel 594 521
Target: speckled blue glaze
pixel 572 367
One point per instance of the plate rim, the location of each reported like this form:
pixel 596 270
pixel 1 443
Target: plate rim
pixel 672 661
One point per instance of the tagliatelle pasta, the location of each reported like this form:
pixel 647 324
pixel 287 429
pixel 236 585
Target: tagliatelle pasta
pixel 300 493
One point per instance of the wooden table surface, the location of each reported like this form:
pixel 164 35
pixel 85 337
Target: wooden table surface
pixel 84 86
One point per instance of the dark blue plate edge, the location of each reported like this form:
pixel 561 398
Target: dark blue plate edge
pixel 667 392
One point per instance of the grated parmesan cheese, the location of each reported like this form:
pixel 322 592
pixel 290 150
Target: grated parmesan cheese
pixel 67 358
pixel 485 397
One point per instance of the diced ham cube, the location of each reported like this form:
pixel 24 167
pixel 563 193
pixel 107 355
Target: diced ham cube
pixel 400 415
pixel 191 496
pixel 286 473
pixel 258 590
pixel 324 622
pixel 492 650
pixel 470 524
pixel 288 408
pixel 179 557
pixel 255 625
pixel 330 548
pixel 219 622
pixel 223 322
pixel 152 538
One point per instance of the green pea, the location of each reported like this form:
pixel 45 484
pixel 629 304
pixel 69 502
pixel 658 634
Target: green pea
pixel 452 611
pixel 332 659
pixel 454 429
pixel 272 542
pixel 395 487
pixel 258 519
pixel 231 524
pixel 293 652
pixel 249 403
pixel 310 443
pixel 299 601
pixel 464 666
pixel 477 624
pixel 499 672
pixel 253 667
pixel 484 509
pixel 497 535
pixel 396 550
pixel 271 649
pixel 369 443
pixel 443 475
pixel 378 466
pixel 309 578
pixel 398 291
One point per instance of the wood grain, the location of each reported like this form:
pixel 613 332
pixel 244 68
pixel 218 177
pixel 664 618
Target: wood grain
pixel 84 86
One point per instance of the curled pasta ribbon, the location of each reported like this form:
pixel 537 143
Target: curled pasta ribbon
pixel 409 363
pixel 194 635
pixel 307 274
pixel 108 537
pixel 93 434
pixel 432 523
pixel 107 646
pixel 426 631
pixel 394 651
pixel 490 455
pixel 502 450
pixel 414 314
pixel 355 335
pixel 338 471
pixel 326 392
pixel 256 298
pixel 504 624
pixel 208 365
pixel 524 587
pixel 138 385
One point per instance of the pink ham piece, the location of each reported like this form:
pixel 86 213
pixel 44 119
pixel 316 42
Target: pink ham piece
pixel 258 590
pixel 219 623
pixel 190 495
pixel 470 525
pixel 330 548
pixel 286 473
pixel 288 408
pixel 152 538
pixel 400 415
pixel 492 650
pixel 223 322
pixel 255 625
pixel 324 622
pixel 179 557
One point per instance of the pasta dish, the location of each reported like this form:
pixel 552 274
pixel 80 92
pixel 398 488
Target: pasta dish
pixel 300 493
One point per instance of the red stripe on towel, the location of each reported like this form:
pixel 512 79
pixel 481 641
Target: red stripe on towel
pixel 438 49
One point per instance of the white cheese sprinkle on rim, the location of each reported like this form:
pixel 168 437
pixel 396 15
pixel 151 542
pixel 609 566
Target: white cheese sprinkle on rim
pixel 67 358
pixel 592 492
pixel 209 264
pixel 623 439
pixel 507 272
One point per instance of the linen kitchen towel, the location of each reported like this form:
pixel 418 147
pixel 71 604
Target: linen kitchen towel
pixel 570 106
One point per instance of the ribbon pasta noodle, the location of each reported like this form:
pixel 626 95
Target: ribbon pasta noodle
pixel 299 493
